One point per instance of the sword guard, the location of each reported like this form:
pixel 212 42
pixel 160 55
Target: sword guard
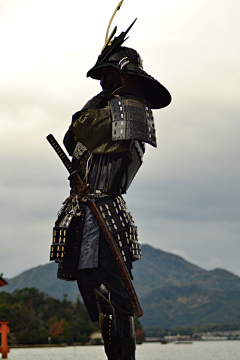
pixel 77 185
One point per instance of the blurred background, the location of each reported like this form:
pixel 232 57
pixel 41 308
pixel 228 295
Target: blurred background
pixel 185 199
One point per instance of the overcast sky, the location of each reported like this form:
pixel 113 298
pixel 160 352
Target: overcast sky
pixel 185 199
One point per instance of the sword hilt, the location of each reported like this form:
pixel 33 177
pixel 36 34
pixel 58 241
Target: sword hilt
pixel 53 142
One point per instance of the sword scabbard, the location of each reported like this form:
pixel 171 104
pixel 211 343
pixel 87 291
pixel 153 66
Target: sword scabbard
pixel 118 259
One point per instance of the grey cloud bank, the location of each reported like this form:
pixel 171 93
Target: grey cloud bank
pixel 186 197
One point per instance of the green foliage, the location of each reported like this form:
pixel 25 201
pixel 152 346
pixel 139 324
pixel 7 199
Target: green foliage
pixel 138 325
pixel 172 293
pixel 190 306
pixel 140 334
pixel 34 316
pixel 155 332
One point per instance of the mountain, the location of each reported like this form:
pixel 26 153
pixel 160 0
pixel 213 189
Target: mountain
pixel 172 290
pixel 161 269
pixel 44 278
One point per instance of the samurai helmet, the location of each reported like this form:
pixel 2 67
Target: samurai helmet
pixel 128 61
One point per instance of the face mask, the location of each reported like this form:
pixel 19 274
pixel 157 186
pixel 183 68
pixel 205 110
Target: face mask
pixel 110 81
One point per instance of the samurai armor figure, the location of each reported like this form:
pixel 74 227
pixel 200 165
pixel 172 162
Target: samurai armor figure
pixel 106 141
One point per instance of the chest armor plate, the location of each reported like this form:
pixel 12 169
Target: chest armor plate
pixel 113 173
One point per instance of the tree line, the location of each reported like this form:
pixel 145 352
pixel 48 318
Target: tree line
pixel 34 317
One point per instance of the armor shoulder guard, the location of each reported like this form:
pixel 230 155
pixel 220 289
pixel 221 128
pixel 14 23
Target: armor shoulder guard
pixel 132 120
pixel 98 101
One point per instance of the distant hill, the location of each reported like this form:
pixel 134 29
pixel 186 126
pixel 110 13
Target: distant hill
pixel 159 279
pixel 44 278
pixel 190 305
pixel 161 269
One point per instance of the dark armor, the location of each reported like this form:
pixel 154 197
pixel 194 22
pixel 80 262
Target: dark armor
pixel 132 119
pixel 66 243
pixel 118 332
pixel 121 225
pixel 113 173
pixel 109 174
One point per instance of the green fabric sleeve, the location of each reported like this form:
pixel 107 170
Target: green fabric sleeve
pixel 93 128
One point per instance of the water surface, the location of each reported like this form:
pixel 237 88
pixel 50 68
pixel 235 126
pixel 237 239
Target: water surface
pixel 204 350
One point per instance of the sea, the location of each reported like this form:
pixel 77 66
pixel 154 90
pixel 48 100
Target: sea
pixel 201 350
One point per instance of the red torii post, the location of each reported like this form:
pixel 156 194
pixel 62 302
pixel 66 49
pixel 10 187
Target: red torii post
pixel 4 330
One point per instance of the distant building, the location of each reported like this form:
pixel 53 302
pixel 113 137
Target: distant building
pixel 96 338
pixel 2 281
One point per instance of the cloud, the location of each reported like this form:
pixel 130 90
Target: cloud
pixel 185 198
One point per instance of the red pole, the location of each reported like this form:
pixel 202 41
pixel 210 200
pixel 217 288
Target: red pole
pixel 4 330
